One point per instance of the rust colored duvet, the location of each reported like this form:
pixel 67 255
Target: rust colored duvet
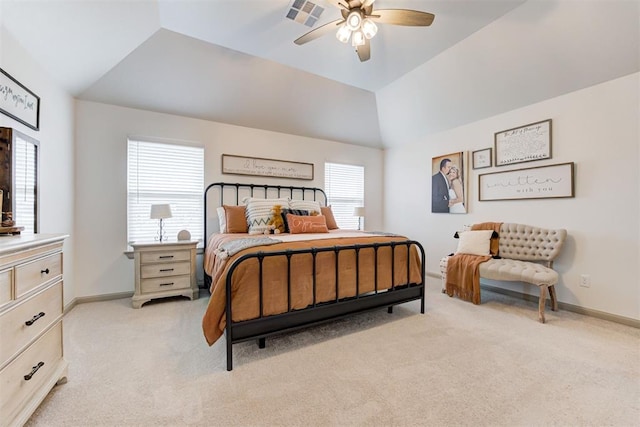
pixel 245 282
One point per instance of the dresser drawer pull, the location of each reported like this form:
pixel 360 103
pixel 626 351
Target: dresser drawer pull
pixel 44 271
pixel 33 320
pixel 162 270
pixel 165 256
pixel 33 371
pixel 166 284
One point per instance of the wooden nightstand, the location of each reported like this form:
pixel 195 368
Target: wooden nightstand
pixel 163 270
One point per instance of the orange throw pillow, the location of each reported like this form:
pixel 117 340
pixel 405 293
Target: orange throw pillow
pixel 328 214
pixel 236 219
pixel 307 224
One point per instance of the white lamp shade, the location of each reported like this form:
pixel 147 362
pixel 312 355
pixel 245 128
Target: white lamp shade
pixel 160 211
pixel 359 211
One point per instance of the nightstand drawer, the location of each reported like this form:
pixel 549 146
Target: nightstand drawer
pixel 45 355
pixel 5 286
pixel 35 273
pixel 40 311
pixel 165 269
pixel 164 256
pixel 165 283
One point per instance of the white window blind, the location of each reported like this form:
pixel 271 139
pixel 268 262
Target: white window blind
pixel 344 185
pixel 164 173
pixel 25 157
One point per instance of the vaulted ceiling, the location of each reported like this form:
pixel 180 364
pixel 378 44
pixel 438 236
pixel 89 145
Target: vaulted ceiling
pixel 234 61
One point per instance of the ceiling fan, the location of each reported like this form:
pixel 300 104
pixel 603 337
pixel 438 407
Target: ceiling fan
pixel 358 24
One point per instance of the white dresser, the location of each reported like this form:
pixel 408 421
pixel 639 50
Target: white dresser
pixel 31 304
pixel 163 270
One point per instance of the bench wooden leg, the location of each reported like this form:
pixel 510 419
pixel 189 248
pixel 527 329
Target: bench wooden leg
pixel 541 302
pixel 554 300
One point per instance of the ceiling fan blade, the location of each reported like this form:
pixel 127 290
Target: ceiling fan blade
pixel 364 51
pixel 367 3
pixel 340 4
pixel 413 18
pixel 318 32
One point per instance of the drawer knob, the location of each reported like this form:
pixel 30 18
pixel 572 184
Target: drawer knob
pixel 165 256
pixel 164 270
pixel 166 284
pixel 46 271
pixel 33 371
pixel 34 318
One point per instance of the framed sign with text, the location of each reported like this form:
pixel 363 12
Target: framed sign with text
pixel 18 102
pixel 523 144
pixel 241 165
pixel 542 182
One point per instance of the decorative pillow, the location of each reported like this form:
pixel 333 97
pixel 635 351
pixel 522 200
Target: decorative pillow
pixel 474 242
pixel 328 215
pixel 307 205
pixel 298 212
pixel 307 224
pixel 236 219
pixel 259 212
pixel 222 219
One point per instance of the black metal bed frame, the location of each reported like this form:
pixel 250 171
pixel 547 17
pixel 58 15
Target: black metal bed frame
pixel 318 312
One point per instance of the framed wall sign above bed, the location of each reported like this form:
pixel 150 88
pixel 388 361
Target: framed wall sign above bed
pixel 241 165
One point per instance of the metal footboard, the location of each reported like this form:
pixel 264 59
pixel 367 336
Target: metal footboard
pixel 321 311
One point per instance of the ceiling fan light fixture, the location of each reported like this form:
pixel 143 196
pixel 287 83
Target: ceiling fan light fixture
pixel 343 34
pixel 369 28
pixel 357 39
pixel 354 20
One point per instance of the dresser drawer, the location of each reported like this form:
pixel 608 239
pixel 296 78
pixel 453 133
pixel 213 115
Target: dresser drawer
pixel 15 333
pixel 165 283
pixel 164 256
pixel 5 286
pixel 15 390
pixel 35 273
pixel 165 269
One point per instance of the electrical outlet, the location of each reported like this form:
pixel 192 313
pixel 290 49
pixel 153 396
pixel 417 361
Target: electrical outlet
pixel 585 280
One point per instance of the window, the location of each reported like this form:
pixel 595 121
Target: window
pixel 344 185
pixel 164 173
pixel 25 185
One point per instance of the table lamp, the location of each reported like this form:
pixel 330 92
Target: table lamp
pixel 359 212
pixel 160 212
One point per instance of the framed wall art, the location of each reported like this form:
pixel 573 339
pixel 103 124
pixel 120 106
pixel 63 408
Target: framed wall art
pixel 18 102
pixel 542 182
pixel 523 144
pixel 481 158
pixel 448 183
pixel 241 165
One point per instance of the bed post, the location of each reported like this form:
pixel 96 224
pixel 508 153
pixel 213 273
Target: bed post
pixel 228 329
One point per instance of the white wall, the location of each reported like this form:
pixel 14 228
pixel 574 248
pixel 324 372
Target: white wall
pixel 597 128
pixel 56 147
pixel 101 181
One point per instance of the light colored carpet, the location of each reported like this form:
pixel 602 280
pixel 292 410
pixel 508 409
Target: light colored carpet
pixel 456 365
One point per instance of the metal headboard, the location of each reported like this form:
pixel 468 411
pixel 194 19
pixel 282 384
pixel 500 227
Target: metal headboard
pixel 234 189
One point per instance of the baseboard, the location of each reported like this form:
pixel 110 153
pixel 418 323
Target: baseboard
pixel 561 305
pixel 566 306
pixel 96 298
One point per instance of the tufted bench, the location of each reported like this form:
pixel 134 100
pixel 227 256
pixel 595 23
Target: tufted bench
pixel 527 255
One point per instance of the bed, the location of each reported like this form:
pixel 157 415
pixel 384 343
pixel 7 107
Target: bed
pixel 266 284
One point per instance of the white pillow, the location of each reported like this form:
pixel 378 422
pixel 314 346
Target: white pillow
pixel 222 219
pixel 259 212
pixel 306 205
pixel 476 242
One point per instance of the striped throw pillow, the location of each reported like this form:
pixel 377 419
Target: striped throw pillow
pixel 259 212
pixel 306 205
